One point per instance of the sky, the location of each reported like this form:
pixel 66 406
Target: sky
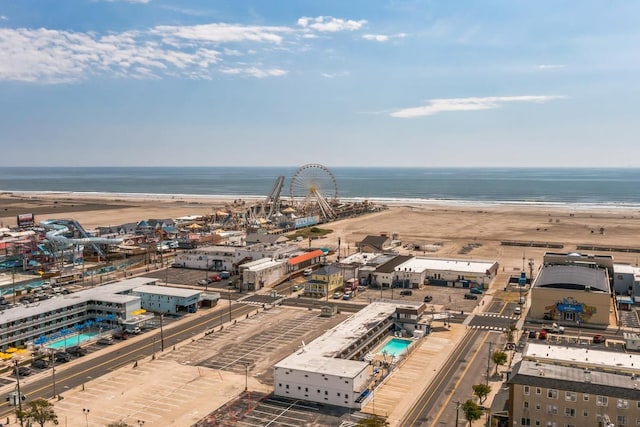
pixel 343 83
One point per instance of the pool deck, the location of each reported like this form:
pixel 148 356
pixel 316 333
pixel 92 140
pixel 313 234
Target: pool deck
pixel 416 372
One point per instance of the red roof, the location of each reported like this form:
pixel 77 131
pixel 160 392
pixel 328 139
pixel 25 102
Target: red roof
pixel 305 257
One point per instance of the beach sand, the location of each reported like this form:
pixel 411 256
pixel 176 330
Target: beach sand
pixel 452 227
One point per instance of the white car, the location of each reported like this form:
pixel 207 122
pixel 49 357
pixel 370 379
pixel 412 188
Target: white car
pixel 307 272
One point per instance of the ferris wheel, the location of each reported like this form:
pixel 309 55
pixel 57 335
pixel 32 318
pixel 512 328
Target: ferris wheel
pixel 314 188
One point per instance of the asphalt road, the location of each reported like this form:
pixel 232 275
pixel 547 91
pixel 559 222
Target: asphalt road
pixel 83 369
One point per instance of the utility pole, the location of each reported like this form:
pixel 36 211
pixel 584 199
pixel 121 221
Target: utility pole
pixel 489 361
pixel 19 394
pixel 229 305
pixel 457 412
pixel 161 333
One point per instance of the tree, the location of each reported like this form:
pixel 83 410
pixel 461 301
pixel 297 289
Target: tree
pixel 39 411
pixel 373 421
pixel 471 411
pixel 482 391
pixel 499 358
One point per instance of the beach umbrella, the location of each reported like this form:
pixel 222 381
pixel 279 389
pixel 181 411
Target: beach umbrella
pixel 11 350
pixel 5 356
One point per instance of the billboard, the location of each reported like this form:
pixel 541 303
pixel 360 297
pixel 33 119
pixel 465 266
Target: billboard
pixel 26 220
pixel 305 222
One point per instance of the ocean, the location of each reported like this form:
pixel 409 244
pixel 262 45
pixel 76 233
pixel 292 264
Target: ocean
pixel 474 186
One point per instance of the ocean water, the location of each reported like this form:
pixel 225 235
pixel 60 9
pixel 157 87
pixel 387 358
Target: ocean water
pixel 540 186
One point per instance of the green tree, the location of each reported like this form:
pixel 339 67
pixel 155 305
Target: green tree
pixel 471 411
pixel 499 358
pixel 482 391
pixel 39 411
pixel 373 421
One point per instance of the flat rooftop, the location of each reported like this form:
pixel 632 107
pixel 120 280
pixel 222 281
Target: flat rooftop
pixel 572 277
pixel 320 356
pixel 419 264
pixel 167 290
pixel 579 356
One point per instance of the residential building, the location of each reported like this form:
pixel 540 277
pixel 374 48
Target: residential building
pixel 324 281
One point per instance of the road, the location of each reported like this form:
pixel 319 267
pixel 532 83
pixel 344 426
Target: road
pixel 85 368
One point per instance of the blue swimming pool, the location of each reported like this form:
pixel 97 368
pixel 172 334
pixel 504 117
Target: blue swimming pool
pixel 395 347
pixel 71 340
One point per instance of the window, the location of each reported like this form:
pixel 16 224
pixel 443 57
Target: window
pixel 552 394
pixel 525 422
pixel 602 400
pixel 538 390
pixel 537 422
pixel 585 397
pixel 526 390
pixel 525 404
pixel 538 406
pixel 585 413
pixel 622 420
pixel 569 412
pixel 552 409
pixel 622 404
pixel 638 421
pixel 570 396
pixel 287 387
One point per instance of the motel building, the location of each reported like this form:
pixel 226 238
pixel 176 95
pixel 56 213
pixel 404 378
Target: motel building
pixel 341 366
pixel 98 309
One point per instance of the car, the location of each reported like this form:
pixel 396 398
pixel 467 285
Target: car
pixel 225 274
pixel 470 296
pixel 76 351
pixel 476 291
pixel 532 333
pixel 517 311
pixel 177 265
pixel 203 282
pixel 297 288
pixel 40 364
pixel 23 371
pixel 428 298
pixel 407 292
pixel 135 330
pixel 307 272
pixel 337 295
pixel 120 336
pixel 347 295
pixel 599 339
pixel 105 341
pixel 542 335
pixel 215 278
pixel 61 357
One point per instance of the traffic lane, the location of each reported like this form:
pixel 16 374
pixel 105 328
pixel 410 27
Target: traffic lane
pixel 82 370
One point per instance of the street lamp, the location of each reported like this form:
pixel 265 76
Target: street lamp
pixel 86 416
pixel 246 376
pixel 53 371
pixel 457 412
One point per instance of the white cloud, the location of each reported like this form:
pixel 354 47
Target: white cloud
pixel 334 75
pixel 254 72
pixel 550 66
pixel 57 56
pixel 436 106
pixel 3 18
pixel 329 24
pixel 383 37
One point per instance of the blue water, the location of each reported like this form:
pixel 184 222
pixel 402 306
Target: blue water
pixel 395 347
pixel 72 340
pixel 615 187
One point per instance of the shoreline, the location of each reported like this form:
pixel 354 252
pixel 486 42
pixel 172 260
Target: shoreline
pixel 381 201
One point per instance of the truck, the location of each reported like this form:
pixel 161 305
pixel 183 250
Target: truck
pixel 553 329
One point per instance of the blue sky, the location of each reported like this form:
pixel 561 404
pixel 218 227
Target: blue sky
pixel 343 83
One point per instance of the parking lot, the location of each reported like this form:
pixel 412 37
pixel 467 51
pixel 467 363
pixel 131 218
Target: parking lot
pixel 187 276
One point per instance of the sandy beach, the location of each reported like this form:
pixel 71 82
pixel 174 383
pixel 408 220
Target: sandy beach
pixel 450 227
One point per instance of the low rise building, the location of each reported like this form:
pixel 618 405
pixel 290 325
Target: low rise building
pixel 262 273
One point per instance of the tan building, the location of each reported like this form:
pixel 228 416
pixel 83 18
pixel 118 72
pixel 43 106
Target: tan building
pixel 571 292
pixel 557 386
pixel 324 282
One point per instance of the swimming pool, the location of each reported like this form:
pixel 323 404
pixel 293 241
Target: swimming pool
pixel 395 347
pixel 71 340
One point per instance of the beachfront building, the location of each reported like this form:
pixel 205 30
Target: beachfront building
pixel 229 258
pixel 574 386
pixel 385 275
pixel 572 288
pixel 463 273
pixel 375 244
pixel 362 265
pixel 324 282
pixel 107 306
pixel 261 273
pixel 330 369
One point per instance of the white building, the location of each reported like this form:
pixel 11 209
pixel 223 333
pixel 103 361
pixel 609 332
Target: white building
pixel 322 370
pixel 262 273
pixel 449 272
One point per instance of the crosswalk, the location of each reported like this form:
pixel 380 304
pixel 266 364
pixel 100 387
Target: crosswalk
pixel 491 321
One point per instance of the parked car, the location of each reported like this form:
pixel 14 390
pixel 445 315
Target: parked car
pixel 470 296
pixel 120 335
pixel 23 371
pixel 40 364
pixel 542 335
pixel 428 298
pixel 135 330
pixel 337 295
pixel 532 333
pixel 215 278
pixel 406 292
pixel 517 311
pixel 598 339
pixel 177 265
pixel 203 282
pixel 61 357
pixel 476 291
pixel 225 274
pixel 76 351
pixel 307 272
pixel 105 341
